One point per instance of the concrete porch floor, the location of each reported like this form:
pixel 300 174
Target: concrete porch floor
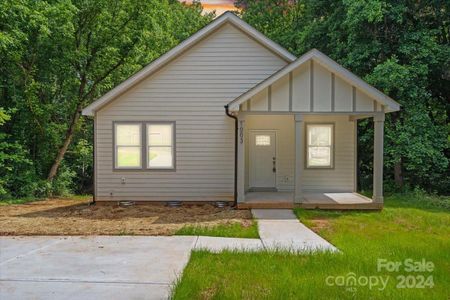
pixel 311 200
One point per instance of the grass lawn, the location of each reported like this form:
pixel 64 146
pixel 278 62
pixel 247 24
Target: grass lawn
pixel 410 227
pixel 237 230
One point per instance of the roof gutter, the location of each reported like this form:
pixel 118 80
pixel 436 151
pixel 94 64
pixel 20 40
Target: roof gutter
pixel 227 112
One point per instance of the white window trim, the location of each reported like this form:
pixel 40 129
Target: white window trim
pixel 332 146
pixel 144 146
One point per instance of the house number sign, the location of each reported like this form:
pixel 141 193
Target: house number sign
pixel 241 132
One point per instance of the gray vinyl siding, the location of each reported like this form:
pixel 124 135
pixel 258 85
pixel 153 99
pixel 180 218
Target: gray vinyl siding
pixel 340 178
pixel 190 91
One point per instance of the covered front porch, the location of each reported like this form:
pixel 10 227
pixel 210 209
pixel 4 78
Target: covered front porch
pixel 297 137
pixel 274 167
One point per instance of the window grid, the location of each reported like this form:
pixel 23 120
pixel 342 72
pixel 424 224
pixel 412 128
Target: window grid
pixel 325 146
pixel 262 140
pixel 143 145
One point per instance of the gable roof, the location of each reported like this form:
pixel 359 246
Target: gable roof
pixel 227 17
pixel 329 64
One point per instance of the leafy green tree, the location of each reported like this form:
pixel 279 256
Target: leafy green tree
pixel 400 47
pixel 59 55
pixel 11 154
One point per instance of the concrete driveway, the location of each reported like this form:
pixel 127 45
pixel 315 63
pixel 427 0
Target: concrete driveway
pixel 100 267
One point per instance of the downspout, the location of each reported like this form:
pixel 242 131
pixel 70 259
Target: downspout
pixel 227 112
pixel 93 161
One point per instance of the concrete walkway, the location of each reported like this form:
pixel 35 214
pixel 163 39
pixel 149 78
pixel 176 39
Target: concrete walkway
pixel 280 229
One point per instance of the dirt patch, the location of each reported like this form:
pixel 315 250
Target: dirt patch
pixel 77 217
pixel 319 224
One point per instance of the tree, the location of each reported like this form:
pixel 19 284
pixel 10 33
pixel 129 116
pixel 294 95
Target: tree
pixel 108 41
pixel 59 55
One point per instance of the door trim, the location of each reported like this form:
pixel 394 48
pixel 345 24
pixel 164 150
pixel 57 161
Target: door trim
pixel 262 189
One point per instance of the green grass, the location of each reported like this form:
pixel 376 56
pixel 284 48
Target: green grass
pixel 223 230
pixel 33 199
pixel 411 226
pixel 18 201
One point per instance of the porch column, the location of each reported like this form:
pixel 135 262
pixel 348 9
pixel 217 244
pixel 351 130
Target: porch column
pixel 378 121
pixel 241 159
pixel 299 157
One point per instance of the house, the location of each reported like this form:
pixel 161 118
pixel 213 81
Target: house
pixel 229 115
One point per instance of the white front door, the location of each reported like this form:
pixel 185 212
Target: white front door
pixel 262 159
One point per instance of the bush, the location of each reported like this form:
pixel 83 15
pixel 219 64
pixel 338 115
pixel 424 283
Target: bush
pixel 17 178
pixel 63 184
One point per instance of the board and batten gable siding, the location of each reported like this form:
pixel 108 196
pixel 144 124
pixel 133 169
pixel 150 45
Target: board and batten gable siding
pixel 191 90
pixel 311 88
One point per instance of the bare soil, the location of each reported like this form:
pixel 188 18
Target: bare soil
pixel 319 224
pixel 77 217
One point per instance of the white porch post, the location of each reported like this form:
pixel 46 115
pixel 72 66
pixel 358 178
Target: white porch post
pixel 299 157
pixel 241 160
pixel 378 158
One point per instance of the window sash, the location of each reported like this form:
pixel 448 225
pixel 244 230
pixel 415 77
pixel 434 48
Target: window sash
pixel 122 146
pixel 312 162
pixel 128 166
pixel 158 164
pixel 154 162
pixel 315 162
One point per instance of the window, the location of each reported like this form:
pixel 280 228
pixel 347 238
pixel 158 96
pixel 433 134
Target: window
pixel 319 150
pixel 128 147
pixel 144 145
pixel 160 150
pixel 262 140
